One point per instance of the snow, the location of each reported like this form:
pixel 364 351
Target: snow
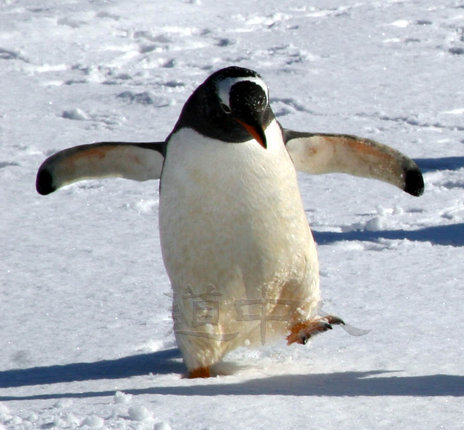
pixel 86 337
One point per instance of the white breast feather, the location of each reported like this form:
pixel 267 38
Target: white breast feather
pixel 236 243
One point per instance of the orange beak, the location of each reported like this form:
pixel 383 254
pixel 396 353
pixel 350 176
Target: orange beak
pixel 255 131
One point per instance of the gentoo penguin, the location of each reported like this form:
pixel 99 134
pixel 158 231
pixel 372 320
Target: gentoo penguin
pixel 234 235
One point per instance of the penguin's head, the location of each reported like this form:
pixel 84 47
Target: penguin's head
pixel 232 105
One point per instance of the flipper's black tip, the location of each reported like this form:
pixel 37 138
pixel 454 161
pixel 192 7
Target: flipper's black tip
pixel 44 182
pixel 414 182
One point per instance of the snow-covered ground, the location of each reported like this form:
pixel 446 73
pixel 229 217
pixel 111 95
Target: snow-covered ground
pixel 86 338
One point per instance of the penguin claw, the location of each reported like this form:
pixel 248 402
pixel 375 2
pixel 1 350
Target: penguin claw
pixel 303 331
pixel 332 319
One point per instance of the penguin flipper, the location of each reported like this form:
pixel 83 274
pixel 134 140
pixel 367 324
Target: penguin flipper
pixel 137 161
pixel 330 153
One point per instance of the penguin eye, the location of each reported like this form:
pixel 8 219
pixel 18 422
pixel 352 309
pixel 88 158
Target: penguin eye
pixel 226 108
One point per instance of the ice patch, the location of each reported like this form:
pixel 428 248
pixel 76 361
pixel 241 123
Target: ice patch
pixel 121 398
pixel 454 213
pixel 392 40
pixel 457 111
pixel 267 20
pixel 146 206
pixel 320 13
pixel 163 425
pixel 183 31
pixel 93 422
pixel 45 68
pixel 108 15
pixel 140 413
pixel 145 98
pixel 4 413
pixel 456 51
pixel 154 345
pixel 63 403
pixel 400 23
pixel 4 164
pixel 353 246
pixel 70 22
pixel 75 114
pixel 22 358
pixel 7 54
pixel 374 224
pixel 323 13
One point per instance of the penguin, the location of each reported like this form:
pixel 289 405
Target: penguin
pixel 235 239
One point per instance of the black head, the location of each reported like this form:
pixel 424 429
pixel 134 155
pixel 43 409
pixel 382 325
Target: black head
pixel 231 105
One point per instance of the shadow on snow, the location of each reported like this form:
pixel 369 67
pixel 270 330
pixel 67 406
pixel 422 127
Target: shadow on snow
pixel 444 163
pixel 162 362
pixel 367 383
pixel 438 235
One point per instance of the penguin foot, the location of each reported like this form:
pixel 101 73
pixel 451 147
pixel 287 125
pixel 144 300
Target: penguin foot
pixel 302 331
pixel 200 372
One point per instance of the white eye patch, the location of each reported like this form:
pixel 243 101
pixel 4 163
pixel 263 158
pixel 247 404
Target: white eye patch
pixel 224 86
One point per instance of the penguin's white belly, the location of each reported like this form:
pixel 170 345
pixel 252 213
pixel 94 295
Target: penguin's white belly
pixel 235 242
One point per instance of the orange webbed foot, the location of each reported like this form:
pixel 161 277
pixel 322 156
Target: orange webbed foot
pixel 302 331
pixel 200 372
